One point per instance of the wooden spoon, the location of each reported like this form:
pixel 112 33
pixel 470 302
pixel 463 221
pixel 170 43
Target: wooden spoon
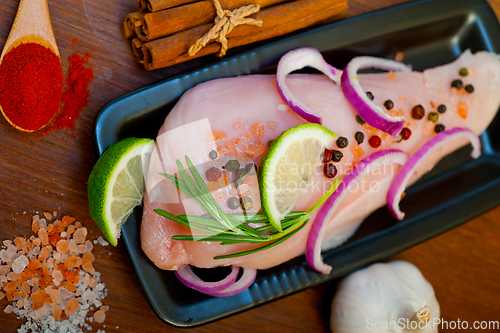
pixel 31 25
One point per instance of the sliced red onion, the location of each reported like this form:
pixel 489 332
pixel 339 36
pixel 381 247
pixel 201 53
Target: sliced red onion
pixel 186 275
pixel 297 59
pixel 248 277
pixel 401 180
pixel 318 229
pixel 373 114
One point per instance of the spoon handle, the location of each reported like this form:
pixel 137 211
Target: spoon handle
pixel 32 24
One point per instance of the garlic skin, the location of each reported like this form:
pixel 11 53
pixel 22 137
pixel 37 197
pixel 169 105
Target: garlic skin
pixel 385 297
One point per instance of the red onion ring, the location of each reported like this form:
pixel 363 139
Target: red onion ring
pixel 318 229
pixel 373 114
pixel 186 275
pixel 297 59
pixel 248 277
pixel 401 180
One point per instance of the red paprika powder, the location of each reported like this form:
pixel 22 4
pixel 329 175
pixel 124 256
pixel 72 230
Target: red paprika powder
pixel 31 82
pixel 76 94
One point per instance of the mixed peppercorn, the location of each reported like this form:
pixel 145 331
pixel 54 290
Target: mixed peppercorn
pixel 217 179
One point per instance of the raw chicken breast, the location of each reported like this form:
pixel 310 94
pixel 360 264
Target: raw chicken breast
pixel 238 116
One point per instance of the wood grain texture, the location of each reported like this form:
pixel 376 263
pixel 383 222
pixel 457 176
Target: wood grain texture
pixel 50 173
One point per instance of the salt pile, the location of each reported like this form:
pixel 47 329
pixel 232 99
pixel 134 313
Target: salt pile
pixel 50 279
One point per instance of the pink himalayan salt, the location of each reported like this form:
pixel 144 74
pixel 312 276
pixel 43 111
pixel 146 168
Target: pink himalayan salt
pixel 2 295
pixel 79 235
pixel 8 309
pixel 72 246
pixel 99 316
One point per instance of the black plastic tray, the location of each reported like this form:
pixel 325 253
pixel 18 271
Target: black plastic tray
pixel 430 33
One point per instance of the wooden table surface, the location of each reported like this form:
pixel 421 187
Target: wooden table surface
pixel 49 173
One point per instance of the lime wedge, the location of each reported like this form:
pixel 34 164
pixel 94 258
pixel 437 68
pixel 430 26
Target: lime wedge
pixel 116 184
pixel 286 170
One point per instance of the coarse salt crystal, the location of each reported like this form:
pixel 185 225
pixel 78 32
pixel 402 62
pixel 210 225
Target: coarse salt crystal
pixel 20 264
pixel 102 241
pixel 99 316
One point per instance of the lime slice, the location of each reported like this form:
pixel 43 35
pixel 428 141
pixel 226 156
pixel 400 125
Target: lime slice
pixel 116 184
pixel 286 170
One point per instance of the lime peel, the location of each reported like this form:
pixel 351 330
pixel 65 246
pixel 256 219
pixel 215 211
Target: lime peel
pixel 116 184
pixel 286 169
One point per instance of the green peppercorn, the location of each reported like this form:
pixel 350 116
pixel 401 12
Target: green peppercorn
pixel 359 120
pixel 232 165
pixel 246 203
pixel 337 155
pixel 342 142
pixel 360 137
pixel 213 155
pixel 418 112
pixel 389 104
pixel 233 203
pixel 457 84
pixel 251 169
pixel 439 128
pixel 463 71
pixel 433 116
pixel 469 88
pixel 370 95
pixel 442 108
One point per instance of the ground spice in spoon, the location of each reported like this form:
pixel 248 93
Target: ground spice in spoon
pixel 31 82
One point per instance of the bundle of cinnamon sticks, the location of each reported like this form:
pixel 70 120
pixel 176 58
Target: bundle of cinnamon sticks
pixel 162 31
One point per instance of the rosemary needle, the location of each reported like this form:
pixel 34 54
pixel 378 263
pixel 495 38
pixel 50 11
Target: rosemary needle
pixel 231 229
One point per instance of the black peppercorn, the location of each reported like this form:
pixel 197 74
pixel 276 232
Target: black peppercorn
pixel 241 174
pixel 251 169
pixel 370 95
pixel 342 142
pixel 389 104
pixel 359 120
pixel 442 108
pixel 360 137
pixel 418 112
pixel 232 165
pixel 469 88
pixel 457 84
pixel 213 155
pixel 337 155
pixel 439 128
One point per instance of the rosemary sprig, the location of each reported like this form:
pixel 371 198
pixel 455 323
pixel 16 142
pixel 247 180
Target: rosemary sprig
pixel 232 229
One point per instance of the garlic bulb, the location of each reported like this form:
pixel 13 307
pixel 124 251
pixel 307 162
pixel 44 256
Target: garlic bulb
pixel 391 297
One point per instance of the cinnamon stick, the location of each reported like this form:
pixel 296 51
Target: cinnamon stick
pixel 129 24
pixel 167 22
pixel 277 20
pixel 137 49
pixel 146 6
